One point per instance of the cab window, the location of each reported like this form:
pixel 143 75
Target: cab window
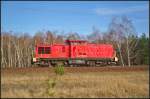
pixel 40 50
pixel 47 50
pixel 44 50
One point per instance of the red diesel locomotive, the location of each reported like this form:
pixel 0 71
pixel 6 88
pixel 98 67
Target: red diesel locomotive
pixel 75 52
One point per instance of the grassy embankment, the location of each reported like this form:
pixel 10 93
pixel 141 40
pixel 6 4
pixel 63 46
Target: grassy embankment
pixel 99 84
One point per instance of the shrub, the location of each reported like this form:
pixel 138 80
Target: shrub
pixel 51 85
pixel 59 69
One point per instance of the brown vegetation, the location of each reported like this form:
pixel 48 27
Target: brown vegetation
pixel 133 84
pixel 75 69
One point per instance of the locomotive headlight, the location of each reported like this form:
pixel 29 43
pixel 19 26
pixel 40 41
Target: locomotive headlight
pixel 34 59
pixel 116 59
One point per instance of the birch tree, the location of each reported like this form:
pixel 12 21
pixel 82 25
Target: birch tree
pixel 95 36
pixel 59 39
pixel 129 32
pixel 73 36
pixel 50 37
pixel 38 38
pixel 117 35
pixel 124 32
pixel 2 52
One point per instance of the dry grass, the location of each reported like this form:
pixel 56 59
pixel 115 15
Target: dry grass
pixel 99 84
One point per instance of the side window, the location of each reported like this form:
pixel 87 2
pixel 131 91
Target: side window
pixel 47 50
pixel 40 50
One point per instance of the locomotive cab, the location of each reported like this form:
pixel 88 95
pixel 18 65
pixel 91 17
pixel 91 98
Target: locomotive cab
pixel 41 52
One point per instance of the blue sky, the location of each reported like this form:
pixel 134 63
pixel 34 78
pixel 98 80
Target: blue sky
pixel 72 16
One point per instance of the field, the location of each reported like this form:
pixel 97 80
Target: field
pixel 84 82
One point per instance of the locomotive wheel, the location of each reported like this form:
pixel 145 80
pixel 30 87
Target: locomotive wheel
pixel 71 65
pixel 60 63
pixel 49 64
pixel 92 63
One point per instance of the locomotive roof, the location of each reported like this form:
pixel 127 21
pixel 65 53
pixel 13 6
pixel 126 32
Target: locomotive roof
pixel 72 41
pixel 76 41
pixel 48 44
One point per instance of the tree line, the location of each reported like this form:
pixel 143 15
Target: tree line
pixel 17 49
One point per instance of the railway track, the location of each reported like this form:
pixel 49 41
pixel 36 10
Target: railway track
pixel 76 69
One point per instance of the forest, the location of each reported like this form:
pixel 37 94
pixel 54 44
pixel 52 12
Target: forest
pixel 17 49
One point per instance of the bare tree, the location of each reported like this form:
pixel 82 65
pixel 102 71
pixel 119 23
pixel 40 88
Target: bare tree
pixel 73 36
pixel 59 39
pixel 123 31
pixel 2 52
pixel 9 51
pixel 49 37
pixel 38 38
pixel 129 32
pixel 117 35
pixel 95 36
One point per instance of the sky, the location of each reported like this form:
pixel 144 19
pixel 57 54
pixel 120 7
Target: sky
pixel 71 16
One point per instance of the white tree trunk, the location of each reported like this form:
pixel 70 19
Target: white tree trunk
pixel 2 56
pixel 119 47
pixel 9 53
pixel 128 53
pixel 18 55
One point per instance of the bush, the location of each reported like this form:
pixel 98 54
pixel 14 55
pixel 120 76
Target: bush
pixel 51 85
pixel 59 69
